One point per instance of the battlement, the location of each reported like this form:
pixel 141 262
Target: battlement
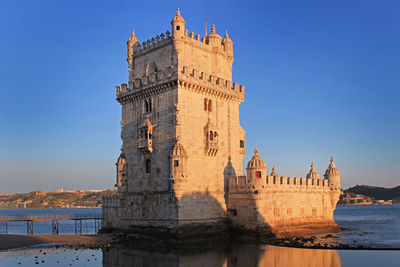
pixel 204 43
pixel 207 80
pixel 151 44
pixel 155 78
pixel 241 184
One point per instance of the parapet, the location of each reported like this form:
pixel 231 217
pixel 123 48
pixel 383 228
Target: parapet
pixel 211 81
pixel 155 78
pixel 240 184
pixel 153 43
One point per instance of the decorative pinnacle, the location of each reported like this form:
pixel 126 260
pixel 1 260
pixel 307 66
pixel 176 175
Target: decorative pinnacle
pixel 213 28
pixel 312 165
pixel 178 12
pixel 133 36
pixel 226 34
pixel 332 164
pixel 273 173
pixel 256 151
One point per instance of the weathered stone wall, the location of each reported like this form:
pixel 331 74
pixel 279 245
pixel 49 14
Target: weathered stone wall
pixel 281 203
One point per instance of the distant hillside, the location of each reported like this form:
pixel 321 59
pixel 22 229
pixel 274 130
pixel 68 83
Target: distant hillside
pixel 60 199
pixel 376 192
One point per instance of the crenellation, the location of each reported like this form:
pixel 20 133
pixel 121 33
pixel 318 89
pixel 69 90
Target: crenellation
pixel 212 79
pixel 153 43
pixel 141 83
pixel 241 183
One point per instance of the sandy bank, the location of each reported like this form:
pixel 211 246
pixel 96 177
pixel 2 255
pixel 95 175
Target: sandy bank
pixel 19 241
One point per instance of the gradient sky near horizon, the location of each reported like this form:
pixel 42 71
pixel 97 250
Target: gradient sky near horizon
pixel 322 78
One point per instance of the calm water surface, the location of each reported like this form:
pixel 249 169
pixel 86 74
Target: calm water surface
pixel 377 226
pixel 372 226
pixel 243 256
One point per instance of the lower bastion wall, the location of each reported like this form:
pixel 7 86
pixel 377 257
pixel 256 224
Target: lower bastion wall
pixel 281 204
pixel 164 211
pixel 156 210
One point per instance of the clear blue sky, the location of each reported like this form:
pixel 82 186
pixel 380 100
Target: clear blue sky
pixel 322 78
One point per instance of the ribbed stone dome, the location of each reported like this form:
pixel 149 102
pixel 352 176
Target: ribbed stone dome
pixel 332 170
pixel 313 174
pixel 256 162
pixel 226 38
pixel 177 18
pixel 178 151
pixel 213 34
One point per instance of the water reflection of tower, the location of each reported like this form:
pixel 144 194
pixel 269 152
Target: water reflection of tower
pixel 242 256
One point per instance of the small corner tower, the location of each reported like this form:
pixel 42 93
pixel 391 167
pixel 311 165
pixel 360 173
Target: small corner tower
pixel 228 45
pixel 256 167
pixel 178 25
pixel 313 174
pixel 333 175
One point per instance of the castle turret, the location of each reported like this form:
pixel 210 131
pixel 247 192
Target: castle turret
pixel 228 44
pixel 313 174
pixel 333 175
pixel 133 46
pixel 178 25
pixel 256 167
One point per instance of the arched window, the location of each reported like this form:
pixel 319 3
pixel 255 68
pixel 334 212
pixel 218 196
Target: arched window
pixel 151 68
pixel 258 174
pixel 205 104
pixel 148 166
pixel 178 28
pixel 209 105
pixel 211 136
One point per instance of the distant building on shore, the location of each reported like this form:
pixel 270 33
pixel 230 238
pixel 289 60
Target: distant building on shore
pixel 182 148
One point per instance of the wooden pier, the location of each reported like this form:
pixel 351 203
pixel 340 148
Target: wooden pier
pixel 54 218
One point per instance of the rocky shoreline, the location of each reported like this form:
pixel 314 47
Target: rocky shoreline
pixel 141 242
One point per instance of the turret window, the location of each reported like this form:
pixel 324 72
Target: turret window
pixel 241 144
pixel 176 163
pixel 178 28
pixel 258 174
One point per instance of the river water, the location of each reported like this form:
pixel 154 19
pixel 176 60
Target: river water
pixel 374 226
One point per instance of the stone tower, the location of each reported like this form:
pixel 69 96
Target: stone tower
pixel 256 167
pixel 180 132
pixel 333 175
